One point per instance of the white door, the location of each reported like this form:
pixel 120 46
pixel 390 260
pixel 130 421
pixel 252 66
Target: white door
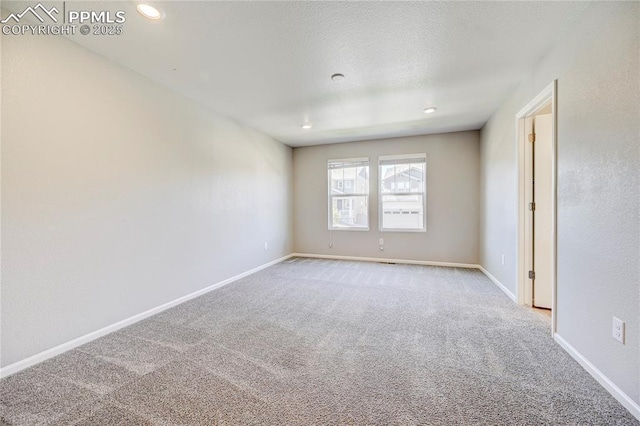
pixel 542 213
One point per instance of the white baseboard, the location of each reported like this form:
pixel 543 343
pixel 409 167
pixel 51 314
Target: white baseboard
pixel 415 262
pixel 499 284
pixel 377 259
pixel 606 383
pixel 615 391
pixel 57 350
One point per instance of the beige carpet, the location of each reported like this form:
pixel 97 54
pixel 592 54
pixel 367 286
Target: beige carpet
pixel 322 342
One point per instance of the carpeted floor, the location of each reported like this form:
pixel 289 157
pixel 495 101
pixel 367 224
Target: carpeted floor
pixel 322 342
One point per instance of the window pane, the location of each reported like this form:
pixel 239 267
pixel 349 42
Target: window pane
pixel 403 211
pixel 387 178
pixel 417 178
pixel 336 181
pixel 349 180
pixel 362 180
pixel 402 177
pixel 349 212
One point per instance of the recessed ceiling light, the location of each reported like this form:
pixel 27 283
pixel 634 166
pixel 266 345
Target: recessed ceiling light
pixel 430 110
pixel 149 11
pixel 306 125
pixel 337 77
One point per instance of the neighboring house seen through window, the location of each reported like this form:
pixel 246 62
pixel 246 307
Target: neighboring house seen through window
pixel 349 194
pixel 402 188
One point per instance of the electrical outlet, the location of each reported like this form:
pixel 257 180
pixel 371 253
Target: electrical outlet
pixel 381 241
pixel 503 259
pixel 266 245
pixel 617 330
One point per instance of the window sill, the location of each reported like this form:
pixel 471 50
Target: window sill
pixel 403 230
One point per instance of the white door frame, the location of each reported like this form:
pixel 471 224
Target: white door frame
pixel 548 94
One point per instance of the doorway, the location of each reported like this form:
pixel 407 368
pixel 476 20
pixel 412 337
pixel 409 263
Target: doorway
pixel 536 137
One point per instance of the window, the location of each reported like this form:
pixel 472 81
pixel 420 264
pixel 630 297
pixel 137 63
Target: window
pixel 349 194
pixel 403 193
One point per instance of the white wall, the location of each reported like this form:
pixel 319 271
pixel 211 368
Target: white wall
pixel 598 72
pixel 453 172
pixel 119 195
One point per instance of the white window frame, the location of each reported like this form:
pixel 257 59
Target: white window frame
pixel 330 195
pixel 402 157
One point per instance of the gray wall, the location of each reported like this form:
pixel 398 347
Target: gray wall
pixel 453 172
pixel 119 195
pixel 598 72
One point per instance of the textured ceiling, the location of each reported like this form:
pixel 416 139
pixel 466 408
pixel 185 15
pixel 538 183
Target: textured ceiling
pixel 268 64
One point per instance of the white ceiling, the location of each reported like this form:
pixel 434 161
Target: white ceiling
pixel 268 64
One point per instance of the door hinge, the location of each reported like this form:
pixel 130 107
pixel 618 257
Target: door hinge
pixel 532 137
pixel 532 275
pixel 532 207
